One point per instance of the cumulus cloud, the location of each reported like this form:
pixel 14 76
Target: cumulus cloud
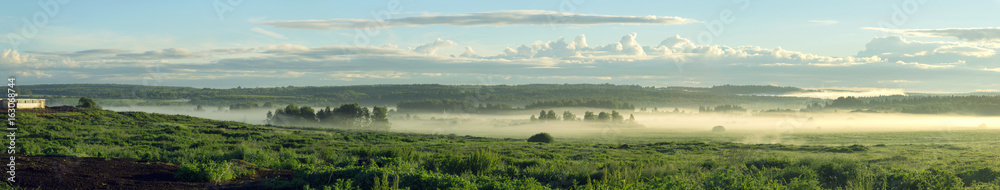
pixel 468 52
pixel 895 48
pixel 630 47
pixel 9 56
pixel 674 60
pixel 967 34
pixel 432 47
pixel 494 18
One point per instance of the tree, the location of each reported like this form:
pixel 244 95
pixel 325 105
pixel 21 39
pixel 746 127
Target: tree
pixel 631 118
pixel 199 108
pixel 542 115
pixel 533 118
pixel 568 116
pixel 541 137
pixel 604 116
pixel 380 119
pixel 87 103
pixel 616 117
pixel 589 116
pixel 551 115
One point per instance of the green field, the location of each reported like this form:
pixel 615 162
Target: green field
pixel 352 159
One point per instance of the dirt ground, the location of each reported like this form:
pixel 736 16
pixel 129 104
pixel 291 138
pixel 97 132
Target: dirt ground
pixel 115 173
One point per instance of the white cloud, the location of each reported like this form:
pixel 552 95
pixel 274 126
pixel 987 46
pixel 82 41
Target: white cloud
pixel 895 48
pixel 169 53
pixel 432 47
pixel 925 66
pixel 967 34
pixel 9 56
pixel 494 18
pixel 33 73
pixel 284 48
pixel 468 52
pixel 268 33
pixel 965 51
pixel 351 75
pixel 674 60
pixel 630 46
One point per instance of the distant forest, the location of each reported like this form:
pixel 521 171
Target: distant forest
pixel 967 105
pixel 483 98
pixel 516 95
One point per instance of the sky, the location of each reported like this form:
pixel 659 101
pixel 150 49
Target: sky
pixel 913 45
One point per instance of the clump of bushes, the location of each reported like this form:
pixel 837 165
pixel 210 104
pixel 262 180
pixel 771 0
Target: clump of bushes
pixel 210 171
pixel 541 137
pixel 718 128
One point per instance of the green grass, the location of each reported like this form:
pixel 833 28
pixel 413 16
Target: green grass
pixel 207 150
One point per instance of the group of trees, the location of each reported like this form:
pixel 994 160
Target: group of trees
pixel 722 108
pixel 614 117
pixel 607 104
pixel 347 115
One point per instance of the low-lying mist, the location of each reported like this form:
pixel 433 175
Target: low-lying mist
pixel 758 128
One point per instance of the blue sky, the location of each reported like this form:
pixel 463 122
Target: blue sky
pixel 915 45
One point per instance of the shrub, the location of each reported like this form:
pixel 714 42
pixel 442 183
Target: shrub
pixel 541 137
pixel 770 163
pixel 837 173
pixel 718 128
pixel 209 171
pixel 983 175
pixel 930 179
pixel 478 162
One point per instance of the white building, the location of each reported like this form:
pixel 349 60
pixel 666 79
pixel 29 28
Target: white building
pixel 24 103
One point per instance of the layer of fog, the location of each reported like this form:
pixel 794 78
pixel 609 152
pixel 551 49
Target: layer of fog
pixel 758 128
pixel 252 116
pixel 833 93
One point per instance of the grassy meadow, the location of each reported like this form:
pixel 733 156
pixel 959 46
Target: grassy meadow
pixel 323 158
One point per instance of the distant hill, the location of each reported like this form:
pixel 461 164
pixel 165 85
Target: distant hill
pixel 517 95
pixel 743 89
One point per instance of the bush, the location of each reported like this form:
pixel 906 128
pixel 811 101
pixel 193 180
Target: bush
pixel 209 171
pixel 718 128
pixel 770 163
pixel 929 179
pixel 982 175
pixel 477 163
pixel 541 137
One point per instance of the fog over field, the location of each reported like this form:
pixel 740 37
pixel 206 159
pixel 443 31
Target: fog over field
pixel 760 128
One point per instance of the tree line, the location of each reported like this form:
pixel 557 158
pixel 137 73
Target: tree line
pixel 346 115
pixel 613 117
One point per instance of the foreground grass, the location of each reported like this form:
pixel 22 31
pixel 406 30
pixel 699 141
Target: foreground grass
pixel 210 150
